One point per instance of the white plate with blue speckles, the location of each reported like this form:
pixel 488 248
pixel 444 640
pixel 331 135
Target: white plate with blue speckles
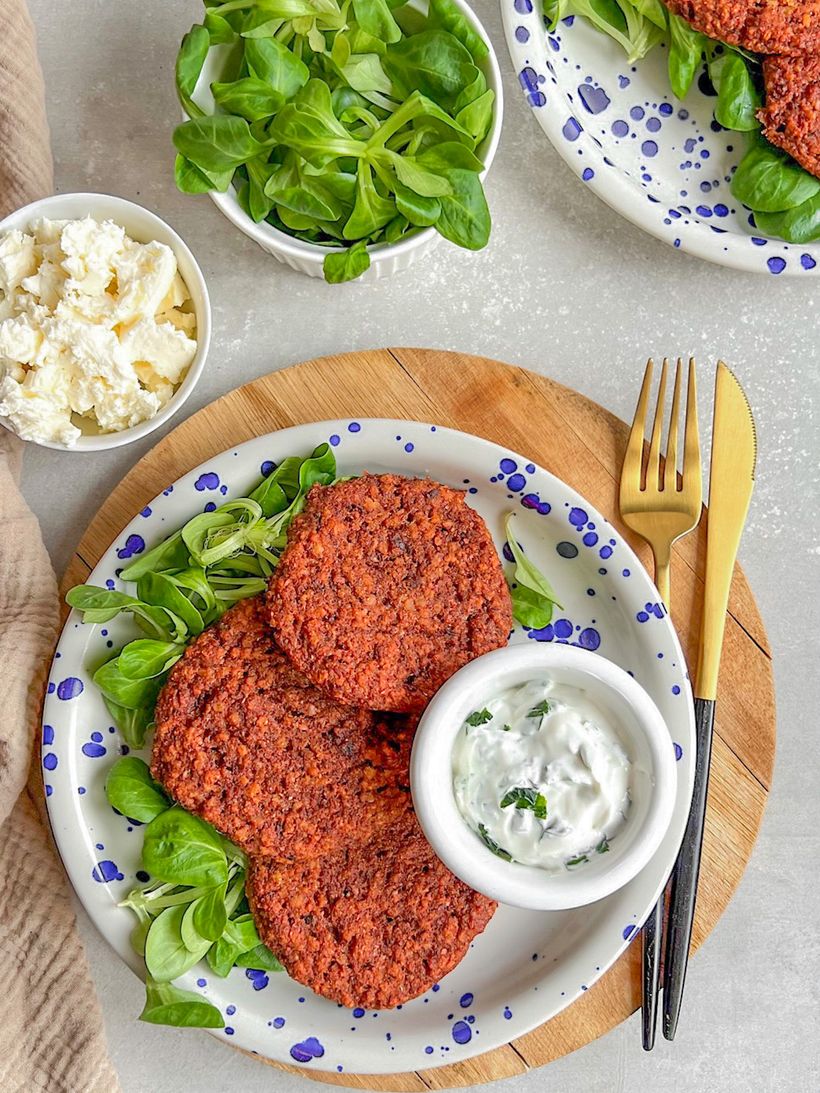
pixel 527 966
pixel 663 164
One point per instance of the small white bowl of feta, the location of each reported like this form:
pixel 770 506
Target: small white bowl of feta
pixel 105 322
pixel 543 776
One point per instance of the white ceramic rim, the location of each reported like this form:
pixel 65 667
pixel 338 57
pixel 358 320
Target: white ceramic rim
pixel 456 844
pixel 621 195
pixel 89 204
pixel 269 237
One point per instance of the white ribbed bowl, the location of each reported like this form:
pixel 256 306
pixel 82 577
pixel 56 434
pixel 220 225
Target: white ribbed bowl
pixel 385 258
pixel 145 227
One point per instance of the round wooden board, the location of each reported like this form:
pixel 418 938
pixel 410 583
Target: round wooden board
pixel 582 444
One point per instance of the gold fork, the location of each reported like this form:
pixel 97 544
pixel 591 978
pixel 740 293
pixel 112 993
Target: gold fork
pixel 660 509
pixel 653 504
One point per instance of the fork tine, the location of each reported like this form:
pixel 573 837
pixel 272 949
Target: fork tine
pixel 691 437
pixel 654 461
pixel 670 474
pixel 631 473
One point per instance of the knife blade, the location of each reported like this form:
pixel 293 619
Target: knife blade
pixel 731 482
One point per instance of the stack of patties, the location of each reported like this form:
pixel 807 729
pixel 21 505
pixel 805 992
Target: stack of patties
pixel 288 726
pixel 787 33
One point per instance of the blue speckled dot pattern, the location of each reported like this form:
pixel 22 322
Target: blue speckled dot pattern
pixel 520 971
pixel 665 165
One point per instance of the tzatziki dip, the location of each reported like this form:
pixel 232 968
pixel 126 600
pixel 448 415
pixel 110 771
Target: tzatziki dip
pixel 541 776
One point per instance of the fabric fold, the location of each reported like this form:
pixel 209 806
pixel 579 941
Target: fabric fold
pixel 51 1036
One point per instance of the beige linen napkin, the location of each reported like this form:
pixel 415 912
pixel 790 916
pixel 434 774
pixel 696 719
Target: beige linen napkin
pixel 51 1032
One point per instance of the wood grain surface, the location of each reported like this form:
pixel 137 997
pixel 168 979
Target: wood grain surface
pixel 582 444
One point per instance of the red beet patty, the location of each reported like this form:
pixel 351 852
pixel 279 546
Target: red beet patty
pixel 763 26
pixel 372 925
pixel 791 116
pixel 388 585
pixel 245 742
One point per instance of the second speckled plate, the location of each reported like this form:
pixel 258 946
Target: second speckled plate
pixel 527 966
pixel 663 164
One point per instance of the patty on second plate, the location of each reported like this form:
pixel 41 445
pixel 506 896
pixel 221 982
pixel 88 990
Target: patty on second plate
pixel 763 26
pixel 791 116
pixel 372 925
pixel 245 742
pixel 388 585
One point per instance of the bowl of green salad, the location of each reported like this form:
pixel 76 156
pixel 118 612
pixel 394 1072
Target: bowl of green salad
pixel 344 138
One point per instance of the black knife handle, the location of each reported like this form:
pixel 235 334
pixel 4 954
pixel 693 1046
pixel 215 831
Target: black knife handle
pixel 685 876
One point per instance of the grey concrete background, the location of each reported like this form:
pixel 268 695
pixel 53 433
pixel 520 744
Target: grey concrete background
pixel 566 288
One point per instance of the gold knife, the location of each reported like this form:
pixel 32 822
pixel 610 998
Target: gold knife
pixel 731 480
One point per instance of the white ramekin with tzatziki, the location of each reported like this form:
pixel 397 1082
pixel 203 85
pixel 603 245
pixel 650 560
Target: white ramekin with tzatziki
pixel 543 776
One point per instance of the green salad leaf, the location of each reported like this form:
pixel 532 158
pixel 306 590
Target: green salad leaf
pixel 188 580
pixel 444 14
pixel 738 98
pixel 464 217
pixel 133 724
pixel 133 694
pixel 166 1004
pixel 167 956
pixel 193 905
pixel 346 265
pixel 209 913
pixel 686 46
pixel 335 122
pixel 131 790
pixel 533 598
pixel 782 195
pixel 192 908
pixel 260 958
pixel 179 848
pixel 620 19
pixel 769 181
pixel 190 59
pixel 799 225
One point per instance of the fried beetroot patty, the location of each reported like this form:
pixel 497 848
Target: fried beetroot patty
pixel 764 26
pixel 247 743
pixel 387 586
pixel 372 925
pixel 791 116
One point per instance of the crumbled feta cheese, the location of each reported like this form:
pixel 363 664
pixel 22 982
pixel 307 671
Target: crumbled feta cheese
pixel 20 340
pixel 35 416
pixel 176 295
pixel 51 381
pixel 13 369
pixel 47 284
pixel 17 259
pixel 91 251
pixel 145 275
pixel 154 383
pixel 48 231
pixel 90 326
pixel 182 320
pixel 124 411
pixel 166 349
